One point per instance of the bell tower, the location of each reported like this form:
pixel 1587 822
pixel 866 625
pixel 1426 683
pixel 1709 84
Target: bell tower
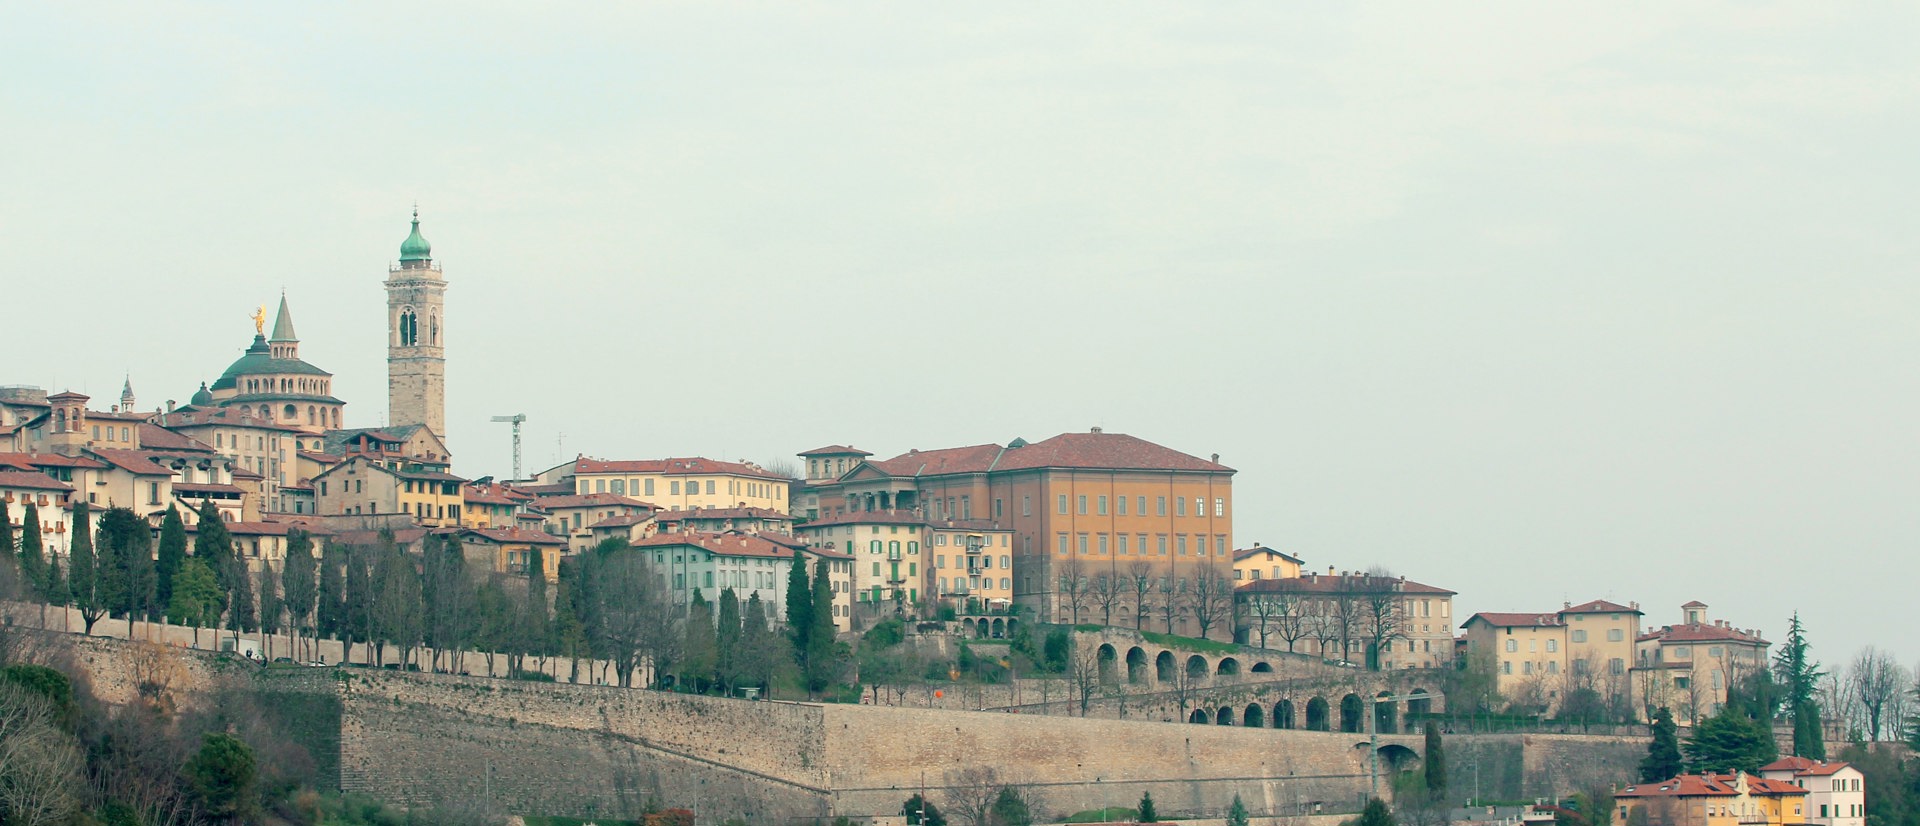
pixel 416 337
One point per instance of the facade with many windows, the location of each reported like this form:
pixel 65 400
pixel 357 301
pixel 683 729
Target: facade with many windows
pixel 678 484
pixel 1689 666
pixel 1540 659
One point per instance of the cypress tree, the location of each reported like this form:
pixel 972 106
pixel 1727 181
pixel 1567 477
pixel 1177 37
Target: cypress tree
pixel 126 564
pixel 7 544
pixel 1147 813
pixel 297 582
pixel 699 658
pixel 539 629
pixel 83 569
pixel 212 544
pixel 330 612
pixel 173 551
pixel 1237 813
pixel 242 616
pixel 269 605
pixel 1435 762
pixel 726 640
pixel 1800 679
pixel 799 606
pixel 1663 754
pixel 33 558
pixel 823 659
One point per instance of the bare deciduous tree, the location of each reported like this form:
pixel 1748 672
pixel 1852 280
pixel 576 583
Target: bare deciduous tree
pixel 1140 579
pixel 1083 673
pixel 970 793
pixel 1876 678
pixel 1212 598
pixel 1074 586
pixel 1107 589
pixel 40 765
pixel 1382 613
pixel 1173 597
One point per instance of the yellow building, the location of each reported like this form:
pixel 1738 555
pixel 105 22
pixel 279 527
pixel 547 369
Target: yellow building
pixel 573 517
pixel 1541 659
pixel 1260 562
pixel 886 551
pixel 509 550
pixel 1713 800
pixel 972 565
pixel 1689 666
pixel 367 486
pixel 678 484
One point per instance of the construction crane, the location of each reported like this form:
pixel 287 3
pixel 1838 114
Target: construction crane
pixel 514 420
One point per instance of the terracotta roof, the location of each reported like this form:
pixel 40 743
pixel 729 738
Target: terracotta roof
pixel 1104 450
pixel 221 417
pixel 159 438
pixel 1258 549
pixel 428 476
pixel 829 553
pixel 1700 632
pixel 673 467
pixel 887 517
pixel 1695 604
pixel 1328 584
pixel 514 536
pixel 133 461
pixel 1515 620
pixel 29 480
pixel 626 521
pixel 29 461
pixel 323 458
pixel 834 450
pixel 969 459
pixel 243 473
pixel 1600 606
pixel 723 544
pixel 1805 766
pixel 555 489
pixel 590 500
pixel 967 525
pixel 719 513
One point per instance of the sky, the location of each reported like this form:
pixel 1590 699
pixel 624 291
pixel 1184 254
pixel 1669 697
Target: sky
pixel 1539 303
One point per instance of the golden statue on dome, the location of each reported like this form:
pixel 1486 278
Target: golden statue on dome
pixel 259 320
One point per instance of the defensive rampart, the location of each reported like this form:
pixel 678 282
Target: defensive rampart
pixel 598 751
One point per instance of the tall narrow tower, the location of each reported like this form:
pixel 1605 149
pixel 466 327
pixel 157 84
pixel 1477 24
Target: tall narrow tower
pixel 416 337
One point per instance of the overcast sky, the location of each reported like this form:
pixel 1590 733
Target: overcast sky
pixel 1535 303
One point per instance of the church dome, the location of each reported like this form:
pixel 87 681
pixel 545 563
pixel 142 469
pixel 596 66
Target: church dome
pixel 259 361
pixel 415 248
pixel 202 398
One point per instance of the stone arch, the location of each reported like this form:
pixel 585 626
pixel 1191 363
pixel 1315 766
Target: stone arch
pixel 1397 757
pixel 409 328
pixel 1263 667
pixel 1199 717
pixel 1254 717
pixel 1108 660
pixel 1419 704
pixel 999 628
pixel 1163 667
pixel 1318 714
pixel 1228 667
pixel 966 627
pixel 1224 716
pixel 1385 714
pixel 1136 665
pixel 1350 710
pixel 1197 667
pixel 1283 714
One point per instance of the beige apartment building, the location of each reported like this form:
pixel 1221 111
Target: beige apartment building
pixel 1381 622
pixel 1688 666
pixel 1261 562
pixel 1539 659
pixel 678 484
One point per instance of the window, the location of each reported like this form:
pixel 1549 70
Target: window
pixel 1553 666
pixel 1682 652
pixel 709 487
pixel 997 513
pixel 1026 505
pixel 1082 503
pixel 649 487
pixel 1579 635
pixel 1082 544
pixel 1506 667
pixel 1123 541
pixel 1553 646
pixel 1160 506
pixel 1526 667
pixel 1714 652
pixel 1616 666
pixel 1063 503
pixel 1220 507
pixel 1182 541
pixel 1063 544
pixel 1180 506
pixel 673 488
pixel 1103 506
pixel 1513 646
pixel 1162 542
pixel 1103 544
pixel 1120 506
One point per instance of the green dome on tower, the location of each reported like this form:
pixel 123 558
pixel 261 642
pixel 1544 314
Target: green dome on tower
pixel 415 248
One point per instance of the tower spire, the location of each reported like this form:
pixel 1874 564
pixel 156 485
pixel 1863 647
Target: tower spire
pixel 285 344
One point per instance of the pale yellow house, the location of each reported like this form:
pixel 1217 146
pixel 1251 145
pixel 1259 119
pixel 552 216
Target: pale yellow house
pixel 971 565
pixel 573 517
pixel 510 550
pixel 1713 800
pixel 678 484
pixel 1261 562
pixel 1689 666
pixel 1539 659
pixel 886 547
pixel 366 485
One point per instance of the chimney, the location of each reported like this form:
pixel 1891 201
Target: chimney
pixel 1565 604
pixel 169 405
pixel 1216 458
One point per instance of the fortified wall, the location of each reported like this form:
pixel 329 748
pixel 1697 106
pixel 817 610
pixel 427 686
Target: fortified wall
pixel 591 751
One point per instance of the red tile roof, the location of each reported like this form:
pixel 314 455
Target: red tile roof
pixel 155 437
pixel 29 461
pixel 674 467
pixel 189 487
pixel 626 521
pixel 1258 549
pixel 1694 604
pixel 1515 620
pixel 29 480
pixel 1104 451
pixel 723 544
pixel 887 517
pixel 719 513
pixel 1805 767
pixel 1327 584
pixel 590 500
pixel 1600 606
pixel 133 461
pixel 1700 632
pixel 969 459
pixel 834 450
pixel 517 536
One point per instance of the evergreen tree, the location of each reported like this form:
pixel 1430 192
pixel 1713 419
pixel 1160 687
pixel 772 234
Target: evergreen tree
pixel 297 583
pixel 222 776
pixel 83 570
pixel 1799 678
pixel 921 812
pixel 825 656
pixel 57 594
pixel 1010 809
pixel 269 591
pixel 1663 753
pixel 1434 764
pixel 799 607
pixel 33 558
pixel 172 552
pixel 760 646
pixel 539 627
pixel 126 563
pixel 357 618
pixel 196 597
pixel 7 543
pixel 1733 740
pixel 699 657
pixel 1375 814
pixel 397 608
pixel 1147 813
pixel 726 640
pixel 1237 813
pixel 330 606
pixel 569 632
pixel 212 544
pixel 242 605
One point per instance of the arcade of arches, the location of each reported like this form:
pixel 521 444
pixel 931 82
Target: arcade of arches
pixel 1323 711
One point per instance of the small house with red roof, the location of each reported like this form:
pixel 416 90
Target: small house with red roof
pixel 1736 799
pixel 1836 789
